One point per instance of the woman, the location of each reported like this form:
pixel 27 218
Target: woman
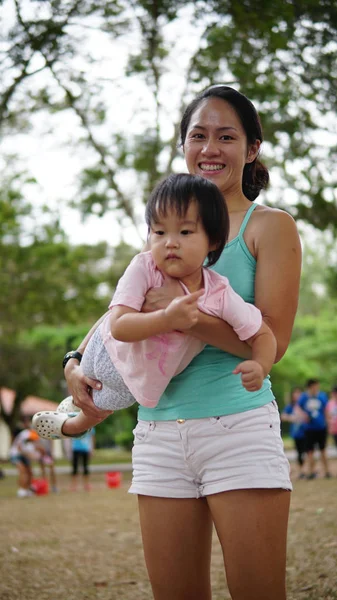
pixel 210 452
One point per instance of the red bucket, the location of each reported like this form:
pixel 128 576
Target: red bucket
pixel 113 479
pixel 40 486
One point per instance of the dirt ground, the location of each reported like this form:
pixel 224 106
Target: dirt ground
pixel 87 545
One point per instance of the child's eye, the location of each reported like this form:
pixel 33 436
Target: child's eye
pixel 158 232
pixel 186 232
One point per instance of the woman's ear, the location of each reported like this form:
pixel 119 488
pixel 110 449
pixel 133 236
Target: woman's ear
pixel 253 151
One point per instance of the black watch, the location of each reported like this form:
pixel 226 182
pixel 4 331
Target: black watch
pixel 71 354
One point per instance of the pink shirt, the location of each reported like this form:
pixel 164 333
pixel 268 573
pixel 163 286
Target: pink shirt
pixel 149 365
pixel 331 409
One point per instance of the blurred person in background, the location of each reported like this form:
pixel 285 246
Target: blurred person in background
pixel 314 402
pixel 331 411
pixel 25 448
pixel 47 462
pixel 298 419
pixel 82 450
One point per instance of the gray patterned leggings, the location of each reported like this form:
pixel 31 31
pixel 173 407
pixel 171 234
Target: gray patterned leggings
pixel 96 363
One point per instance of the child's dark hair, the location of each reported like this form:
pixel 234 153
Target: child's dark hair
pixel 177 192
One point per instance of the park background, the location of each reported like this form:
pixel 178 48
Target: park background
pixel 91 92
pixel 91 95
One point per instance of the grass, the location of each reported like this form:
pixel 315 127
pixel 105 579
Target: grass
pixel 101 456
pixel 87 545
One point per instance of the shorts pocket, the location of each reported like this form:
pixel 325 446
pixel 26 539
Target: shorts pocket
pixel 141 432
pixel 265 418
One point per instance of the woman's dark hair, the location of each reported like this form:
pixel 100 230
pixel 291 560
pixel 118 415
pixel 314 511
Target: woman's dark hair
pixel 255 175
pixel 176 192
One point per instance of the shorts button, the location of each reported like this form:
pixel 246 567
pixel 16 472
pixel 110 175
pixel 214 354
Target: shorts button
pixel 181 421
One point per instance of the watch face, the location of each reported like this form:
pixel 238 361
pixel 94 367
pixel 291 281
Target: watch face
pixel 71 354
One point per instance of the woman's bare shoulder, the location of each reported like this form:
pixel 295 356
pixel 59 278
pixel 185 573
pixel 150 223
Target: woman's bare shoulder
pixel 268 221
pixel 271 213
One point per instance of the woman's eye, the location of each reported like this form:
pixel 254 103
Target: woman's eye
pixel 197 136
pixel 226 137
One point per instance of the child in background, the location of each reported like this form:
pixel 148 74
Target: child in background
pixel 82 451
pixel 331 413
pixel 25 448
pixel 47 463
pixel 314 402
pixel 135 354
pixel 297 419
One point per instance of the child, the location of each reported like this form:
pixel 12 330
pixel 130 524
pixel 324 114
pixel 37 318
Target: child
pixel 331 411
pixel 298 422
pixel 26 447
pixel 135 354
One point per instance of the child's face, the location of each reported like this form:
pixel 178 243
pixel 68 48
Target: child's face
pixel 179 245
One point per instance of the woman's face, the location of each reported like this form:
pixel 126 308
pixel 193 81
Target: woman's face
pixel 216 145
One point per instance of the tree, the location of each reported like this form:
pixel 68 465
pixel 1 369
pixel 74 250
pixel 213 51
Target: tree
pixel 48 287
pixel 313 348
pixel 282 55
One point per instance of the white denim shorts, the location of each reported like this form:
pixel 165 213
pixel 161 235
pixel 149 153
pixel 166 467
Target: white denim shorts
pixel 196 457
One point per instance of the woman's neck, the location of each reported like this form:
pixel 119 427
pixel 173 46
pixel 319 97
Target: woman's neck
pixel 236 201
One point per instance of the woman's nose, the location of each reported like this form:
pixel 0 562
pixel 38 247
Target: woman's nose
pixel 210 147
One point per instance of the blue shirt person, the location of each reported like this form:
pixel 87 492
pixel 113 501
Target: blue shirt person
pixel 313 402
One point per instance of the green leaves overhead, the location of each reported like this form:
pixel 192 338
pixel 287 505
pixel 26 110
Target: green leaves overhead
pixel 281 54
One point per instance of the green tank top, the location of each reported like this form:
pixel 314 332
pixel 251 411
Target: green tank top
pixel 207 387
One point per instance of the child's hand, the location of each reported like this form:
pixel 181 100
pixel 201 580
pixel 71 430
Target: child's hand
pixel 252 375
pixel 182 313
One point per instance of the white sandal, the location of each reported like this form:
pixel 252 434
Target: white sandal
pixel 67 406
pixel 49 425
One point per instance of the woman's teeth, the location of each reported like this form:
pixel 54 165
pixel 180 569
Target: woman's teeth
pixel 205 167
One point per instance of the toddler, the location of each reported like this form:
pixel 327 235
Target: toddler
pixel 135 354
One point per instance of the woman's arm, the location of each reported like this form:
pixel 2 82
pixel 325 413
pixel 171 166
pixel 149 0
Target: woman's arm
pixel 278 271
pixel 219 333
pixel 208 329
pixel 287 418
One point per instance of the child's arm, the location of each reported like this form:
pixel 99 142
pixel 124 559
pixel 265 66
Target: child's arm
pixel 253 372
pixel 129 325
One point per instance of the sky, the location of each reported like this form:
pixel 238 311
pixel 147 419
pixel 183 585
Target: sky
pixel 47 150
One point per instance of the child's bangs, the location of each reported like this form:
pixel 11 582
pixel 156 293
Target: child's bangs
pixel 167 203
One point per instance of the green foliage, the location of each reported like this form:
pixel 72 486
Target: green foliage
pixel 52 293
pixel 280 54
pixel 312 352
pixel 117 429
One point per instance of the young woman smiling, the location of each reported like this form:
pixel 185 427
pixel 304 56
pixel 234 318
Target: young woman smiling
pixel 210 453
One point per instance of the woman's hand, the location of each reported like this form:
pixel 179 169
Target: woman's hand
pixel 80 388
pixel 160 298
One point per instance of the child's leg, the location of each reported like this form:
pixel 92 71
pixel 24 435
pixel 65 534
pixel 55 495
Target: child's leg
pixel 79 424
pixel 114 395
pixel 96 363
